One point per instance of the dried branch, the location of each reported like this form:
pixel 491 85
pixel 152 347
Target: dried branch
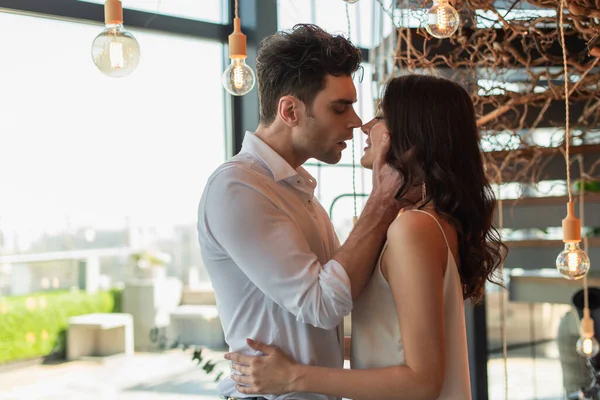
pixel 511 62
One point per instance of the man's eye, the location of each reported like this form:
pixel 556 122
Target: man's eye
pixel 340 109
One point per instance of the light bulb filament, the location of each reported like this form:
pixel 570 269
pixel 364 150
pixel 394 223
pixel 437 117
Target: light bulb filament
pixel 442 18
pixel 572 261
pixel 587 346
pixel 238 76
pixel 116 55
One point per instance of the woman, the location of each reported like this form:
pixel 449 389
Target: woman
pixel 408 325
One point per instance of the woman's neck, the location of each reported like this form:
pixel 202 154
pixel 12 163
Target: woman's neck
pixel 421 205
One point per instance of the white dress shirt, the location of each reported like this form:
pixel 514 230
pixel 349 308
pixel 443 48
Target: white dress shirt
pixel 267 245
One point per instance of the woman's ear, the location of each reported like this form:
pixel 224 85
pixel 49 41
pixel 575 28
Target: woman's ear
pixel 408 158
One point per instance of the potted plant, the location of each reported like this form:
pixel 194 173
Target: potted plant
pixel 150 263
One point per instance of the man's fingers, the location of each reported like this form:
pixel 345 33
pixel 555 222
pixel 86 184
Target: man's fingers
pixel 384 147
pixel 242 379
pixel 238 358
pixel 263 348
pixel 246 389
pixel 244 369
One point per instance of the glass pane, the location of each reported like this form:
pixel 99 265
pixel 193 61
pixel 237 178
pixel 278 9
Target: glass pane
pixel 365 109
pixel 205 10
pixel 539 317
pixel 337 195
pixel 541 341
pixel 337 180
pixel 331 16
pixel 292 12
pixel 92 162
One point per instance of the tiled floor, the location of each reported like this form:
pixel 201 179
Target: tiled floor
pixel 150 376
pixel 527 380
pixel 173 376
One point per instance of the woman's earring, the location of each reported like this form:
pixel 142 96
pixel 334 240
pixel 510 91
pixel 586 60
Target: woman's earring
pixel 423 192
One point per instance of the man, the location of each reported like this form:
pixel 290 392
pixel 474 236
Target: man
pixel 278 271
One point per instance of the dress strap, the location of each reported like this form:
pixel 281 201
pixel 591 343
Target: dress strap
pixel 438 224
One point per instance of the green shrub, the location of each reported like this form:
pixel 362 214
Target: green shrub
pixel 35 325
pixel 588 186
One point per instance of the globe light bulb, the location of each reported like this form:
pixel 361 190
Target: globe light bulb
pixel 572 262
pixel 587 347
pixel 442 19
pixel 115 51
pixel 351 1
pixel 238 79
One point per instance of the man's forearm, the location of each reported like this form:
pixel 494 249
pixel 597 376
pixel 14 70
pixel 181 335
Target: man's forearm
pixel 360 251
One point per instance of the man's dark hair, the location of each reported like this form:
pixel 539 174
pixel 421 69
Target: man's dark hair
pixel 296 62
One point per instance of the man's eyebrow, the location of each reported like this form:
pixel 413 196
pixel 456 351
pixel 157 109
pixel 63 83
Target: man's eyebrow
pixel 344 101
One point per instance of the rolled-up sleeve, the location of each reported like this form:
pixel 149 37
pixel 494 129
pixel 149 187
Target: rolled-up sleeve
pixel 271 250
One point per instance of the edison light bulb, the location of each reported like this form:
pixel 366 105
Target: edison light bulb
pixel 572 262
pixel 442 20
pixel 587 347
pixel 238 78
pixel 115 51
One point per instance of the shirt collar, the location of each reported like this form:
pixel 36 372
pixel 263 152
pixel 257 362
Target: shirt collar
pixel 279 167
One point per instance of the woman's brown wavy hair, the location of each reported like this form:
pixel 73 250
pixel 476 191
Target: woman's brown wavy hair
pixel 434 139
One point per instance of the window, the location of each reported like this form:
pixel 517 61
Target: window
pixel 335 183
pixel 204 10
pixel 93 162
pixel 331 16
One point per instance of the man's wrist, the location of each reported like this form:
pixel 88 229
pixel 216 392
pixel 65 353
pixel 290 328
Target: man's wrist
pixel 296 383
pixel 382 206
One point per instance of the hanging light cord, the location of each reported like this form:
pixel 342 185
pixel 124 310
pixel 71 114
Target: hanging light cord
pixel 353 145
pixel 236 9
pixel 348 20
pixel 586 304
pixel 503 305
pixel 566 77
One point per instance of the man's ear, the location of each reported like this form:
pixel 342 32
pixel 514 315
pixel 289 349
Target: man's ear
pixel 289 110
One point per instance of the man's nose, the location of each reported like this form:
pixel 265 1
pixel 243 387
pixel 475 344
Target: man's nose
pixel 356 122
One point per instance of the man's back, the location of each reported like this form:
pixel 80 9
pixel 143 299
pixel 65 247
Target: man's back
pixel 267 245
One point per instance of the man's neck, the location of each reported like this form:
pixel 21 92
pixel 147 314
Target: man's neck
pixel 280 139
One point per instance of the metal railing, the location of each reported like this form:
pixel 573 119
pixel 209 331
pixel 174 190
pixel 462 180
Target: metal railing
pixel 89 262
